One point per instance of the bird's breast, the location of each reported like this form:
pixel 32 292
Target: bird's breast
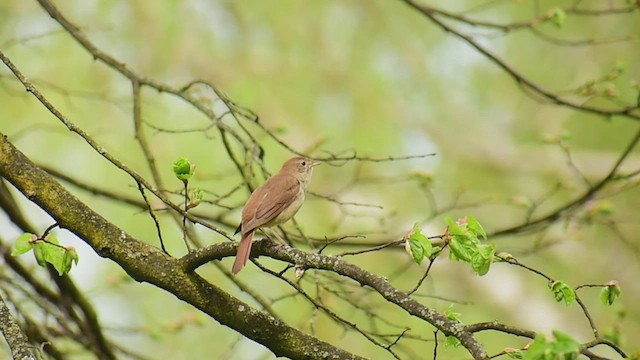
pixel 288 212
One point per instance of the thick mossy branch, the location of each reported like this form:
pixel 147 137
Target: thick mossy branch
pixel 146 263
pixel 337 265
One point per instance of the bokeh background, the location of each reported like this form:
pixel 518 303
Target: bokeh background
pixel 371 77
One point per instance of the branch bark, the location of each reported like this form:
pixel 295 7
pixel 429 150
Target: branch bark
pixel 18 343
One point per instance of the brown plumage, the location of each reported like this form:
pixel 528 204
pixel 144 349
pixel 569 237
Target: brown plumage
pixel 273 203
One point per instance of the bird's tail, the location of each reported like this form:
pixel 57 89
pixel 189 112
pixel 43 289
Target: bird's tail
pixel 244 250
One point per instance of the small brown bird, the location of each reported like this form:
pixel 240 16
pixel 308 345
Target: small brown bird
pixel 273 203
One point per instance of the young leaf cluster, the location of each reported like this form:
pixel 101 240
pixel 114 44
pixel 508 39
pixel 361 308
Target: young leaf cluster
pixel 463 239
pixel 47 250
pixel 610 293
pixel 418 245
pixel 183 169
pixel 561 347
pixel 562 292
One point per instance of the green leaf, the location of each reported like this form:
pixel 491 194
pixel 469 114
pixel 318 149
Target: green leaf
pixel 418 245
pixel 454 228
pixel 514 353
pixel 23 244
pixel 417 235
pixel 563 347
pixel 464 244
pixel 610 293
pixel 52 239
pixel 196 195
pixel 56 256
pixel 73 254
pixel 537 349
pixel 562 291
pixel 558 17
pixel 475 227
pixel 435 251
pixel 462 248
pixel 183 169
pixel 452 342
pixel 452 315
pixel 70 256
pixel 67 261
pixel 49 252
pixel 565 344
pixel 482 259
pixel 415 249
pixel 38 252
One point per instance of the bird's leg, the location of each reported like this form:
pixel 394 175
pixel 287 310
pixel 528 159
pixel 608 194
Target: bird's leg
pixel 264 233
pixel 270 234
pixel 275 232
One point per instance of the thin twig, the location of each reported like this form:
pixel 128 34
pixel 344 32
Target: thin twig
pixel 48 229
pixel 153 216
pixel 326 310
pixel 431 14
pixel 99 149
pixel 588 315
pixel 426 273
pixel 435 346
pixel 184 216
pixel 557 214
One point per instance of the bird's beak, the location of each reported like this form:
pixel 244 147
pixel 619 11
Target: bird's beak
pixel 315 163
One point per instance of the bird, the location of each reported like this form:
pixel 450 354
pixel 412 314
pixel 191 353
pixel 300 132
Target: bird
pixel 273 203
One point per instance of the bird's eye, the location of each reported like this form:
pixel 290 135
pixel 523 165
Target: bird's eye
pixel 304 163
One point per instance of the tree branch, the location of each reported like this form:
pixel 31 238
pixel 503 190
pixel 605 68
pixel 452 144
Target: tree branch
pixel 145 263
pixel 68 295
pixel 198 257
pixel 20 347
pixel 630 112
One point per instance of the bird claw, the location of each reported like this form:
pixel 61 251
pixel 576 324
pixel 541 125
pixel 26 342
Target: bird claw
pixel 280 245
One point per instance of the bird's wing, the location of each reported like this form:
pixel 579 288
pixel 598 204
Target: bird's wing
pixel 269 203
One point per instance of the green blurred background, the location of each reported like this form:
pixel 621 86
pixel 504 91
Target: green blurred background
pixel 369 76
